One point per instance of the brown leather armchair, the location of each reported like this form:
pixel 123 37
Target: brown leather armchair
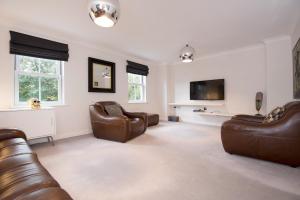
pixel 116 128
pixel 277 141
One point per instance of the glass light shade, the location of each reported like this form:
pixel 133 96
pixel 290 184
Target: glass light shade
pixel 104 13
pixel 187 60
pixel 104 21
pixel 187 54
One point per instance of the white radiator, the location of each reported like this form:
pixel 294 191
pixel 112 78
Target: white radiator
pixel 35 123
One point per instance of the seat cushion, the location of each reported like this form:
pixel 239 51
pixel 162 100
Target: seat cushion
pixel 137 127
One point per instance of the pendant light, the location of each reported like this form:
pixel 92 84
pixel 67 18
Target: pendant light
pixel 104 13
pixel 187 54
pixel 106 73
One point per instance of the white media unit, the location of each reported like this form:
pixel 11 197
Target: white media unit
pixel 215 116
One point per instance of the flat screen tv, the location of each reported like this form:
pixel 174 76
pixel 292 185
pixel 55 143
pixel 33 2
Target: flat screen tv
pixel 207 90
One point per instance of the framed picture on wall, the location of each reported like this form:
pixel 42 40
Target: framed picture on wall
pixel 101 76
pixel 296 61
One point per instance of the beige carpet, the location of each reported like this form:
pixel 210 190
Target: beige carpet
pixel 173 161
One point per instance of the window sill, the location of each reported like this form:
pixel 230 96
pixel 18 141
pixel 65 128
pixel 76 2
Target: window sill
pixel 16 109
pixel 59 105
pixel 42 106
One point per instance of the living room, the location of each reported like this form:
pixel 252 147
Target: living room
pixel 110 112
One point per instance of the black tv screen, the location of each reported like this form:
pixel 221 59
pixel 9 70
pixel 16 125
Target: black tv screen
pixel 207 90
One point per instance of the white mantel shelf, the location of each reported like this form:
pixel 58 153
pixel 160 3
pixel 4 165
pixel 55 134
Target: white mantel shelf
pixel 198 104
pixel 215 114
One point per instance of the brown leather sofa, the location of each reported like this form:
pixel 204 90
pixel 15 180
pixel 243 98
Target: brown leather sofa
pixel 116 128
pixel 277 141
pixel 22 177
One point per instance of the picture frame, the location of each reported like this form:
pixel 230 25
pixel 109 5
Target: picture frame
pixel 101 76
pixel 296 70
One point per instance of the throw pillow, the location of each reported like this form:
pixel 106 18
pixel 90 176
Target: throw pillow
pixel 113 110
pixel 274 115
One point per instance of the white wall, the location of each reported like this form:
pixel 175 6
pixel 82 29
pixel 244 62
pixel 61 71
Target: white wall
pixel 73 119
pixel 296 34
pixel 244 74
pixel 265 67
pixel 279 71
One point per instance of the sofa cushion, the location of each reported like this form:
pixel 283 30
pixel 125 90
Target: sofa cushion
pixel 12 142
pixel 113 110
pixel 274 115
pixel 53 193
pixel 24 179
pixel 13 147
pixel 14 162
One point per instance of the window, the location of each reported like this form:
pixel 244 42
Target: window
pixel 38 78
pixel 136 88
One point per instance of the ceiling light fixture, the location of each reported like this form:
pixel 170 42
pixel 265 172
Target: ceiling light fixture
pixel 104 13
pixel 106 74
pixel 187 54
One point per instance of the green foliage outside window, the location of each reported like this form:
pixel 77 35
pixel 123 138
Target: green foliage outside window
pixel 49 87
pixel 28 88
pixel 38 78
pixel 136 87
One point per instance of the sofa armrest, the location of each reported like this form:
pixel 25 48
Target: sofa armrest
pixel 136 114
pixel 6 134
pixel 277 129
pixel 250 118
pixel 141 115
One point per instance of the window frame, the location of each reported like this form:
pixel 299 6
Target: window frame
pixel 59 76
pixel 144 88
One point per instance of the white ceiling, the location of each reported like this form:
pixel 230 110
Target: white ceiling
pixel 157 29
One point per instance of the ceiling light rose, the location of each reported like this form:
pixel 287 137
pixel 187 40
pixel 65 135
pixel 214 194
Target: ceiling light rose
pixel 187 54
pixel 104 13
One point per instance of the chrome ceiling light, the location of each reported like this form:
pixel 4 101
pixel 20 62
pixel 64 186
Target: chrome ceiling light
pixel 104 13
pixel 187 54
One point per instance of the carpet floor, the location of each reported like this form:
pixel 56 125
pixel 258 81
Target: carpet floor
pixel 172 161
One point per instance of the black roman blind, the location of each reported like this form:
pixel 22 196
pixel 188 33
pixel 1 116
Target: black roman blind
pixel 27 45
pixel 136 68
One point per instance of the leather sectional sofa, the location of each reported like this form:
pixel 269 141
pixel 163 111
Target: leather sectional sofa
pixel 22 177
pixel 276 141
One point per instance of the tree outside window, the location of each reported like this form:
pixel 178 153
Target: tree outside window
pixel 38 78
pixel 136 88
